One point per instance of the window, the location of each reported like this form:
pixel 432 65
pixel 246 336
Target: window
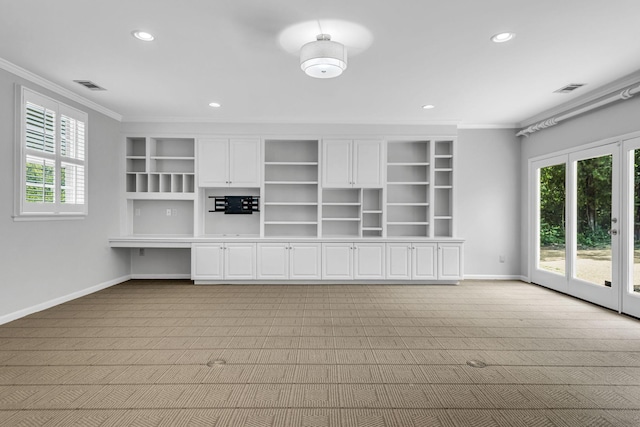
pixel 52 159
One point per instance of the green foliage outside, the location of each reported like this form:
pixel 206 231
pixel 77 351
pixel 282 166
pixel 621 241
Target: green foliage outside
pixel 42 180
pixel 593 203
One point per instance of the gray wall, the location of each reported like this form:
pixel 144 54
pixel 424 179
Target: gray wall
pixel 610 122
pixel 45 260
pixel 488 208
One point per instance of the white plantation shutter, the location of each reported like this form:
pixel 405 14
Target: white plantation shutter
pixel 71 184
pixel 53 161
pixel 40 128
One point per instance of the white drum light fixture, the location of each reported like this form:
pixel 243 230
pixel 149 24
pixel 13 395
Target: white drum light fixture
pixel 323 58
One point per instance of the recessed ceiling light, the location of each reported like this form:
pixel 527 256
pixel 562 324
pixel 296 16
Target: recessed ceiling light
pixel 142 35
pixel 502 37
pixel 214 105
pixel 428 107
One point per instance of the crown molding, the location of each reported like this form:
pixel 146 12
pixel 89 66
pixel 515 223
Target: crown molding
pixel 41 81
pixel 488 126
pixel 583 100
pixel 178 119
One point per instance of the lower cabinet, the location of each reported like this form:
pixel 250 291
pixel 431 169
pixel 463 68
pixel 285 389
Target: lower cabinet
pixel 450 261
pixel 426 261
pixel 348 261
pixel 219 261
pixel 282 261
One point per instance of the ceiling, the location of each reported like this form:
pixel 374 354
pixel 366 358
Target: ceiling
pixel 228 51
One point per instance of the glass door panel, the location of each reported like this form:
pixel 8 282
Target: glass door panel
pixel 549 222
pixel 552 221
pixel 593 210
pixel 636 222
pixel 593 224
pixel 630 228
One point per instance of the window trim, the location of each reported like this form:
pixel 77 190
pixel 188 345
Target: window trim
pixel 46 211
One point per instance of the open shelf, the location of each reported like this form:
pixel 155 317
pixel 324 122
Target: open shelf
pixel 291 188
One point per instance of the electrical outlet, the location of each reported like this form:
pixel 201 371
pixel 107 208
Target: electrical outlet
pixel 174 212
pixel 168 212
pixel 137 212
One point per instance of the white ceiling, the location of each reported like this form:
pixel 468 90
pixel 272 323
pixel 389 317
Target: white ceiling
pixel 423 52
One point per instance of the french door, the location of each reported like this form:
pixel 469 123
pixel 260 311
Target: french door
pixel 576 224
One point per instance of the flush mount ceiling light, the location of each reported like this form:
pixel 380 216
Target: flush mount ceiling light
pixel 214 105
pixel 502 37
pixel 142 35
pixel 428 107
pixel 323 58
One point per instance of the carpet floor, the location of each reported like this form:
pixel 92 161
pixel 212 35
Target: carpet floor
pixel 167 353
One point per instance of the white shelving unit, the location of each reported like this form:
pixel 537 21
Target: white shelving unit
pixel 408 188
pixel 291 188
pixel 443 188
pixel 160 165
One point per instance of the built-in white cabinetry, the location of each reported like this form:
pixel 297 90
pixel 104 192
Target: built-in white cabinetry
pixel 220 261
pixel 352 163
pixel 282 261
pixel 229 162
pixel 329 209
pixel 348 261
pixel 424 261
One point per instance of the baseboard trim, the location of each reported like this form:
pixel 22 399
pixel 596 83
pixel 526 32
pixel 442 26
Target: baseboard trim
pixel 60 300
pixel 160 276
pixel 494 277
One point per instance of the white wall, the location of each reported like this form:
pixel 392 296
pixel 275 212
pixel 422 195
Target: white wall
pixel 37 257
pixel 488 204
pixel 616 120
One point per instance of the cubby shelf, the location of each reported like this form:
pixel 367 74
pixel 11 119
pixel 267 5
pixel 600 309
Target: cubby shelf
pixel 159 165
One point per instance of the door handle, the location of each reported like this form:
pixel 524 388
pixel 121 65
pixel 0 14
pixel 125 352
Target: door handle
pixel 613 232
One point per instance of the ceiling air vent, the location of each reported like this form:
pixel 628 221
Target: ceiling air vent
pixel 569 88
pixel 89 84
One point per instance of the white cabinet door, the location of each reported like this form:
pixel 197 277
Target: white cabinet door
pixel 207 262
pixel 240 261
pixel 244 163
pixel 273 261
pixel 424 261
pixel 399 261
pixel 368 261
pixel 336 163
pixel 367 163
pixel 305 261
pixel 450 261
pixel 337 261
pixel 213 162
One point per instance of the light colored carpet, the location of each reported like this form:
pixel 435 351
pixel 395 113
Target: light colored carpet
pixel 167 353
